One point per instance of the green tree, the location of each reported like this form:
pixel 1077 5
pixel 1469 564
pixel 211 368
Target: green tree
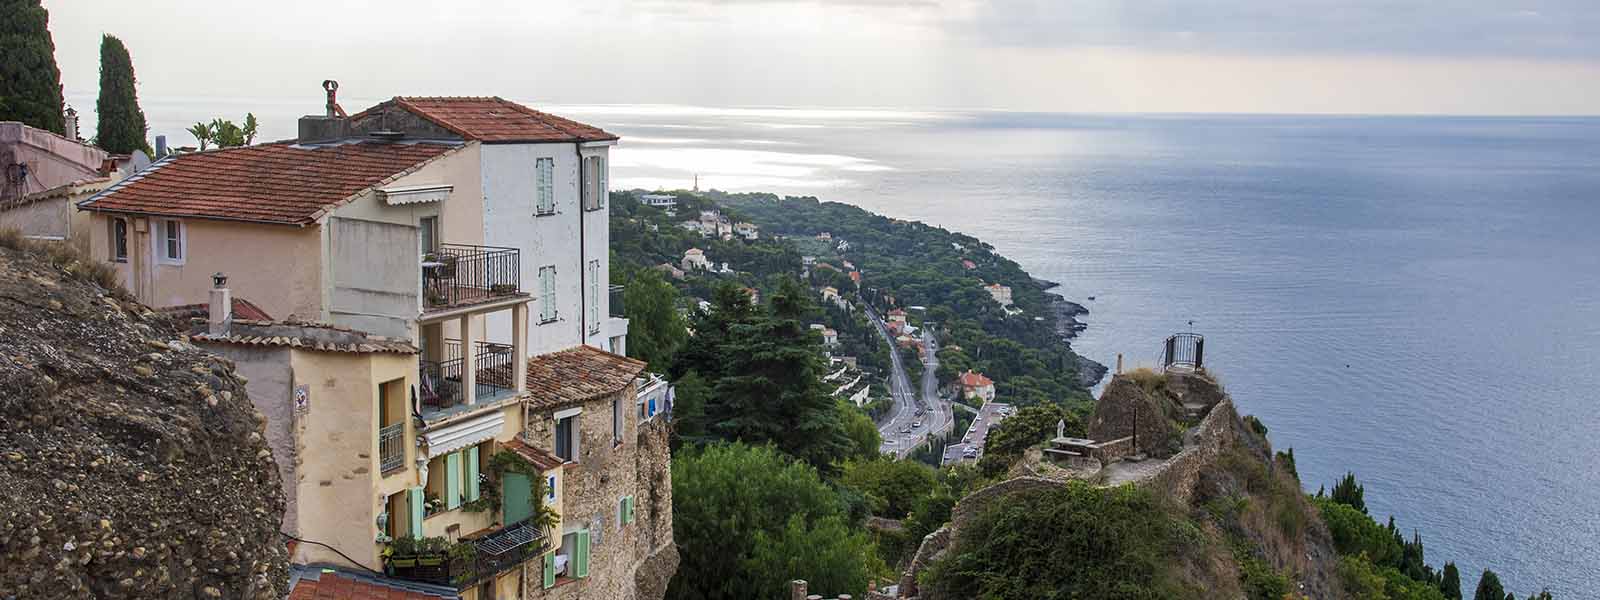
pixel 1079 541
pixel 1030 425
pixel 891 486
pixel 202 133
pixel 861 431
pixel 122 127
pixel 748 519
pixel 1350 493
pixel 1451 583
pixel 655 329
pixel 764 369
pixel 30 82
pixel 1489 587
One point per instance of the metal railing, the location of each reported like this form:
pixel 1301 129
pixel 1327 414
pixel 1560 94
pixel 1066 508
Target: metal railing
pixel 616 302
pixel 1184 351
pixel 474 560
pixel 442 380
pixel 391 447
pixel 458 274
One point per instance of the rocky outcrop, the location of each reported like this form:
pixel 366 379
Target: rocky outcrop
pixel 134 465
pixel 1140 407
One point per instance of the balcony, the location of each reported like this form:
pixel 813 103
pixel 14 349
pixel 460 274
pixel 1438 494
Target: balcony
pixel 441 391
pixel 391 448
pixel 616 302
pixel 473 559
pixel 458 275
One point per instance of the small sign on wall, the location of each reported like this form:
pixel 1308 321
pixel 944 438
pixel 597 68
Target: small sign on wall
pixel 302 398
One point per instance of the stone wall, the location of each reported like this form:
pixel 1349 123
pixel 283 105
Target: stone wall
pixel 630 561
pixel 1126 409
pixel 1216 433
pixel 934 544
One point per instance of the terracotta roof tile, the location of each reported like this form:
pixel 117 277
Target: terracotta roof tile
pixel 971 379
pixel 540 458
pixel 280 182
pixel 578 375
pixel 308 336
pixel 314 584
pixel 496 119
pixel 242 309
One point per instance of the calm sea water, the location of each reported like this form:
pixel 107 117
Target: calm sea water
pixel 1416 300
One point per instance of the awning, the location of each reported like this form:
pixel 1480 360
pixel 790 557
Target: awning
pixel 456 436
pixel 416 194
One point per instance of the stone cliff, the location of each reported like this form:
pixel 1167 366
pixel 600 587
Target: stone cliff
pixel 133 464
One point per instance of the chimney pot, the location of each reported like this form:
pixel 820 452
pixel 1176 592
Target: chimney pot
pixel 219 314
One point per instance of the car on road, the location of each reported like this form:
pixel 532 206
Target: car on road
pixel 905 429
pixel 916 424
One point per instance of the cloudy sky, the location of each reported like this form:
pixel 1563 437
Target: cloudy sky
pixel 1282 56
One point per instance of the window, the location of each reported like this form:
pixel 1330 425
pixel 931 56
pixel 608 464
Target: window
pixel 618 419
pixel 119 239
pixel 429 231
pixel 594 182
pixel 547 294
pixel 594 296
pixel 567 437
pixel 172 241
pixel 625 510
pixel 545 176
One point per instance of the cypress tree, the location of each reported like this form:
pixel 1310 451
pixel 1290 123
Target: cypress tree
pixel 1352 494
pixel 1489 587
pixel 1451 585
pixel 122 126
pixel 30 82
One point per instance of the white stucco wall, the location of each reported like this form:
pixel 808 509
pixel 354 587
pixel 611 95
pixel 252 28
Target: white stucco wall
pixel 509 192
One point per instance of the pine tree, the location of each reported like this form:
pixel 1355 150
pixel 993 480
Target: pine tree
pixel 1350 493
pixel 1489 587
pixel 30 82
pixel 1451 586
pixel 122 126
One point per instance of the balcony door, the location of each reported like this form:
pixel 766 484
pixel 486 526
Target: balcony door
pixel 516 498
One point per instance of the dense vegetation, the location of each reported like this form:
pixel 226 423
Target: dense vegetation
pixel 122 128
pixel 915 264
pixel 30 81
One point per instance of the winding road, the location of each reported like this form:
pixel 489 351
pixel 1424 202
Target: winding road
pixel 910 407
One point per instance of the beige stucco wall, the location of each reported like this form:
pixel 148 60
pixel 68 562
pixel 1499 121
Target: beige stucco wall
pixel 339 497
pixel 273 266
pixel 439 524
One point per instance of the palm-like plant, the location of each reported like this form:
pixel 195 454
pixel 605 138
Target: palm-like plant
pixel 203 133
pixel 249 128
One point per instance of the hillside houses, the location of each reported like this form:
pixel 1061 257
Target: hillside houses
pixel 416 293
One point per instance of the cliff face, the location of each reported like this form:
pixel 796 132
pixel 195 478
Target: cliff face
pixel 133 464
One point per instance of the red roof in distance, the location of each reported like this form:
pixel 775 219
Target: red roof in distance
pixel 495 120
pixel 975 380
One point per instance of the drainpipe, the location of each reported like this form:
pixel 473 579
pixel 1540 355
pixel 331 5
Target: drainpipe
pixel 583 263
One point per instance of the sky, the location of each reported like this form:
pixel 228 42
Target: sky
pixel 1500 57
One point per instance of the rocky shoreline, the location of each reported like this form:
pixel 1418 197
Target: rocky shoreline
pixel 1067 326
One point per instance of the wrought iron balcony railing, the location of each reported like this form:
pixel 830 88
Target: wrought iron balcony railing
pixel 460 275
pixel 391 447
pixel 471 561
pixel 616 302
pixel 442 382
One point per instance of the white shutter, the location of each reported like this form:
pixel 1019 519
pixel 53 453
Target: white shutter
pixel 594 296
pixel 546 186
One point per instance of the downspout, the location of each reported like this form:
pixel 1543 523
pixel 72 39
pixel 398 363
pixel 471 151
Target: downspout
pixel 583 263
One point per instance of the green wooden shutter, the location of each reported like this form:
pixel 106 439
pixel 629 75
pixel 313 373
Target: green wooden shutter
pixel 472 474
pixel 516 498
pixel 580 555
pixel 414 497
pixel 627 515
pixel 549 570
pixel 452 480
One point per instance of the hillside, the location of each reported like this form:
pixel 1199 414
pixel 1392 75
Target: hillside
pixel 134 465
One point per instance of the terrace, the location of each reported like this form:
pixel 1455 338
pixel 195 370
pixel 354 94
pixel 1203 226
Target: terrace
pixel 459 275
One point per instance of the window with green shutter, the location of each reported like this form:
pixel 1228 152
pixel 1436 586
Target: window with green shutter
pixel 580 555
pixel 545 169
pixel 549 570
pixel 452 480
pixel 415 500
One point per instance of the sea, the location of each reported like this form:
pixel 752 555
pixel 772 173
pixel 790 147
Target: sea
pixel 1415 300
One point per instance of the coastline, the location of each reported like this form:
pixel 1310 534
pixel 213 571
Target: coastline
pixel 1067 326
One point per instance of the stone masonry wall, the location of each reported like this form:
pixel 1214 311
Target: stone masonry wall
pixel 1216 432
pixel 627 561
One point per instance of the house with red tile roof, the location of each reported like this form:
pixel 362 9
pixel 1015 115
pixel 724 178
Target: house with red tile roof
pixel 435 270
pixel 975 385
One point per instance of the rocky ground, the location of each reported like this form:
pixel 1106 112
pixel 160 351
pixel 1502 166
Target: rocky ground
pixel 133 464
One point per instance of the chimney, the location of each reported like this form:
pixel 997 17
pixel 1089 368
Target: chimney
pixel 220 313
pixel 332 125
pixel 161 147
pixel 71 129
